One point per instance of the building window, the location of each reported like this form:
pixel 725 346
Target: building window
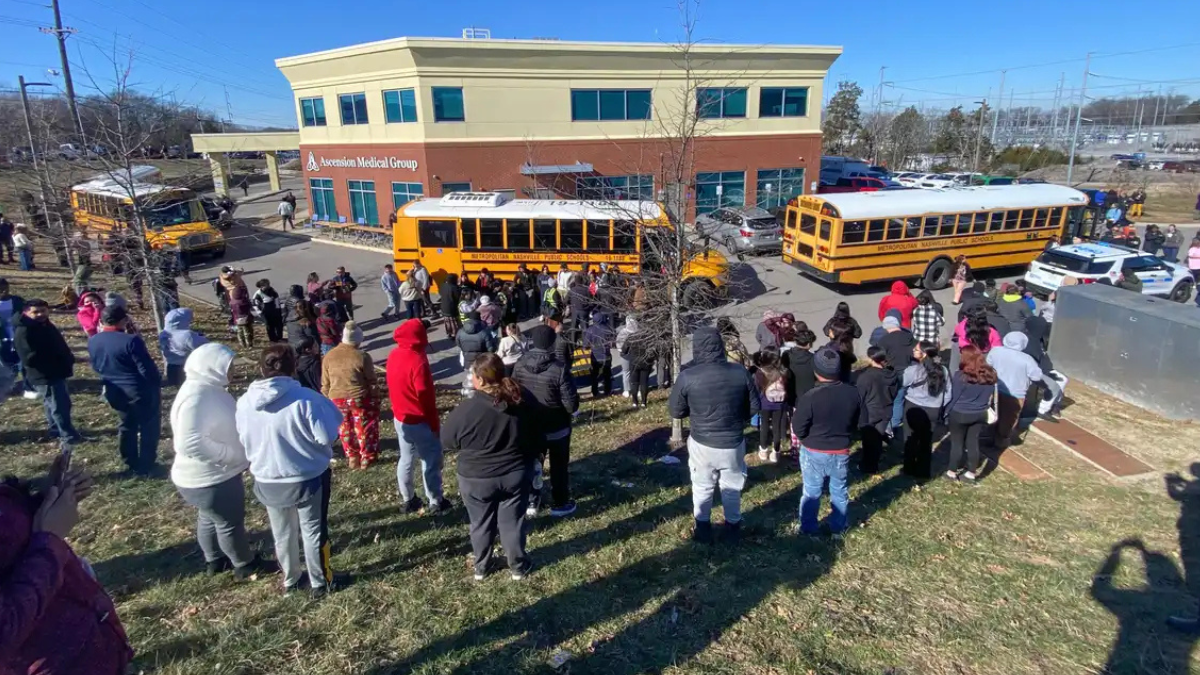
pixel 400 105
pixel 354 108
pixel 324 206
pixel 591 105
pixel 403 193
pixel 312 111
pixel 776 186
pixel 447 188
pixel 720 188
pixel 363 208
pixel 780 102
pixel 721 103
pixel 617 187
pixel 448 104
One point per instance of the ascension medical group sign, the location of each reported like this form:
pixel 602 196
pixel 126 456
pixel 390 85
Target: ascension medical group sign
pixel 315 163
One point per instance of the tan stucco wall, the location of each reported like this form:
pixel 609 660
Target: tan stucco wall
pixel 258 141
pixel 520 89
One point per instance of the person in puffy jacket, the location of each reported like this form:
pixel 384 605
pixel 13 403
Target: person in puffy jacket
pixel 288 433
pixel 414 409
pixel 348 379
pixel 1013 306
pixel 90 306
pixel 900 298
pixel 628 328
pixel 474 339
pixel 878 385
pixel 718 398
pixel 490 314
pixel 57 619
pixel 1016 372
pixel 329 331
pixel 177 341
pixel 599 339
pixel 210 460
pixel 547 388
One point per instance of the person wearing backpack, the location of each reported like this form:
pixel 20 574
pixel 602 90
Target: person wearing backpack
pixel 771 381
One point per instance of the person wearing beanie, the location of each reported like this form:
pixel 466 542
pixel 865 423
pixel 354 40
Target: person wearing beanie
pixel 176 342
pixel 348 379
pixel 114 299
pixel 718 398
pixel 132 386
pixel 1017 372
pixel 547 387
pixel 824 421
pixel 414 409
pixel 897 345
pixel 473 339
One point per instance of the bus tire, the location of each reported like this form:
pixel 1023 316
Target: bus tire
pixel 219 253
pixel 1182 292
pixel 937 275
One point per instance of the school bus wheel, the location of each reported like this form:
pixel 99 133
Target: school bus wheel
pixel 937 275
pixel 219 253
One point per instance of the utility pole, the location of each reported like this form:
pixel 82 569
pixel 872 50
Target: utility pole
pixel 1087 65
pixel 41 179
pixel 61 34
pixel 1157 101
pixel 979 135
pixel 1057 104
pixel 996 119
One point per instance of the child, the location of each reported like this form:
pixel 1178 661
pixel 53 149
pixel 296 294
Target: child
pixel 308 364
pixel 177 341
pixel 772 391
pixel 243 315
pixel 878 386
pixel 90 307
pixel 512 346
pixel 328 328
pixel 266 301
pixel 467 305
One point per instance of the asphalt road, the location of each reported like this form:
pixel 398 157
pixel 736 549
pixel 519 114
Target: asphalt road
pixel 759 284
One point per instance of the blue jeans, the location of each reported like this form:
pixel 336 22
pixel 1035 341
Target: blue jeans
pixel 412 308
pixel 56 401
pixel 817 466
pixel 139 424
pixel 26 257
pixel 1171 253
pixel 393 298
pixel 898 404
pixel 417 441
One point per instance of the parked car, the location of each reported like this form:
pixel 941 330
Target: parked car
pixel 853 185
pixel 742 229
pixel 936 180
pixel 1098 262
pixel 911 179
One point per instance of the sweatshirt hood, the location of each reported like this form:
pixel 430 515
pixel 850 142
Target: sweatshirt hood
pixel 209 363
pixel 472 326
pixel 707 346
pixel 84 298
pixel 899 288
pixel 262 393
pixel 1016 340
pixel 538 360
pixel 412 335
pixel 631 324
pixel 325 309
pixel 179 319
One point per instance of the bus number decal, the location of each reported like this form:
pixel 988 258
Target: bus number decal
pixel 934 243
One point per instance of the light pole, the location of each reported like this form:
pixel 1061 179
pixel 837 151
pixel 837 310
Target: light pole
pixel 33 146
pixel 979 136
pixel 1087 64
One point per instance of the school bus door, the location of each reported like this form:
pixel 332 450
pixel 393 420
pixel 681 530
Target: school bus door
pixel 437 246
pixel 802 236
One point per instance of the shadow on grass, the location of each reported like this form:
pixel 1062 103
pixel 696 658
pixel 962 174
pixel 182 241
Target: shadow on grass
pixel 709 590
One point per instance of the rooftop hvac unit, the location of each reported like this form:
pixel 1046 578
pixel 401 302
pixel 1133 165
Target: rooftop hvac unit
pixel 475 199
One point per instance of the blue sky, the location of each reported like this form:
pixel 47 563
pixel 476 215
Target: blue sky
pixel 937 53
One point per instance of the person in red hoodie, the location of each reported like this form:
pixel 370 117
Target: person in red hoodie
pixel 899 299
pixel 55 619
pixel 414 406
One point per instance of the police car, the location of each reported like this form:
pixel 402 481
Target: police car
pixel 1098 262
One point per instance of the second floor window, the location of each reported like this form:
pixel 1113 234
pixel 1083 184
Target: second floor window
pixel 448 104
pixel 400 105
pixel 589 105
pixel 721 103
pixel 781 102
pixel 354 108
pixel 312 111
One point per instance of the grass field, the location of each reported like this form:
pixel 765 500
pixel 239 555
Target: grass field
pixel 933 579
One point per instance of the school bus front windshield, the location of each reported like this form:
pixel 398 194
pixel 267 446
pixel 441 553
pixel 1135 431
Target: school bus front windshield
pixel 171 212
pixel 857 240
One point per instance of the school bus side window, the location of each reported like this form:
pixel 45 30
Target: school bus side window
pixel 545 235
pixel 876 229
pixel 1026 219
pixel 947 227
pixel 791 219
pixel 997 221
pixel 571 232
pixel 808 223
pixel 470 237
pixel 1039 219
pixel 597 234
pixel 853 231
pixel 624 237
pixel 491 235
pixel 1011 218
pixel 518 235
pixel 1055 216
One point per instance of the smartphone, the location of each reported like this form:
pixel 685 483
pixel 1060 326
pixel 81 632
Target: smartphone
pixel 65 450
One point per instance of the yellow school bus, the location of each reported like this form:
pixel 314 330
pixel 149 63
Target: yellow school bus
pixel 173 216
pixel 856 238
pixel 475 230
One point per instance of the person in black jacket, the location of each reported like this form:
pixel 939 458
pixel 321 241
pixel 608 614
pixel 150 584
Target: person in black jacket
pixel 49 363
pixel 266 301
pixel 877 386
pixel 564 344
pixel 842 313
pixel 474 339
pixel 825 420
pixel 798 362
pixel 449 296
pixel 496 437
pixel 580 300
pixel 639 353
pixel 308 364
pixel 718 398
pixel 548 390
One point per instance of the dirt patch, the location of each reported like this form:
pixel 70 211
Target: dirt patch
pixel 1166 445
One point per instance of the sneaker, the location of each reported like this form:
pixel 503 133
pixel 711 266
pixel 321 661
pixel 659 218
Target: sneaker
pixel 969 478
pixel 319 592
pixel 635 406
pixel 253 568
pixel 951 475
pixel 298 586
pixel 479 576
pixel 31 395
pixel 762 454
pixel 564 510
pixel 702 534
pixel 519 575
pixel 441 507
pixel 732 533
pixel 413 506
pixel 624 394
pixel 218 566
pixel 531 511
pixel 773 457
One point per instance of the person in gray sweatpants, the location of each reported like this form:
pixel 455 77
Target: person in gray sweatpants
pixel 220 525
pixel 719 398
pixel 299 512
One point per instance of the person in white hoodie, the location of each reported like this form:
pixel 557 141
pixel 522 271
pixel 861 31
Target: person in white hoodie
pixel 288 432
pixel 210 460
pixel 1016 372
pixel 628 328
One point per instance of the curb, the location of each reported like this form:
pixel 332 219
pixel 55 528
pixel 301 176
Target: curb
pixel 316 239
